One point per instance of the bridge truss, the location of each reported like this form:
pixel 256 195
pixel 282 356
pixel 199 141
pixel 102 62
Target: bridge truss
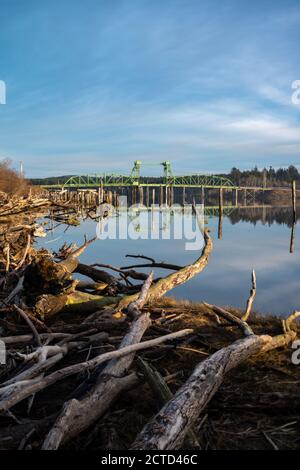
pixel 195 180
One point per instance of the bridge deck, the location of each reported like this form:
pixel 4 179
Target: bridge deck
pixel 157 185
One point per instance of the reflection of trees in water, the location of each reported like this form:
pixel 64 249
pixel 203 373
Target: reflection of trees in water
pixel 266 215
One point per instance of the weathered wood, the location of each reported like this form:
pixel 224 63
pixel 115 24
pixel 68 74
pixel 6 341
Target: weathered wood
pixel 251 297
pixel 153 264
pixel 96 274
pixel 163 393
pixel 48 305
pixel 77 415
pixel 23 391
pixel 290 320
pixel 125 273
pixel 77 302
pixel 169 427
pixel 30 324
pixel 27 248
pixel 234 320
pixel 91 286
pixel 28 338
pixel 45 276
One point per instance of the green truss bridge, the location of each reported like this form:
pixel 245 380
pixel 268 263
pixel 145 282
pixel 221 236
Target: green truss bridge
pixel 134 179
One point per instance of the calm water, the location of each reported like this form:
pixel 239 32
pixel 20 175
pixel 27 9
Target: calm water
pixel 254 238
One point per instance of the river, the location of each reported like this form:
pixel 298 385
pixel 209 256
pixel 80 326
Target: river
pixel 257 238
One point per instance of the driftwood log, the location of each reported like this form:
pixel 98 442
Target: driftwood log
pixel 169 427
pixel 21 390
pixel 78 415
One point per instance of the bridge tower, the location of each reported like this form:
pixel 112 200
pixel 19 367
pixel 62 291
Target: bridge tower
pixel 135 173
pixel 168 174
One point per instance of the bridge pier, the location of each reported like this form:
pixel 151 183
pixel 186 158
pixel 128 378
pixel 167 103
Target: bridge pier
pixel 220 224
pixel 133 195
pixel 171 196
pixel 141 195
pixel 294 204
pixel 100 194
pixel 202 194
pixel 168 196
pixel 221 199
pixel 236 197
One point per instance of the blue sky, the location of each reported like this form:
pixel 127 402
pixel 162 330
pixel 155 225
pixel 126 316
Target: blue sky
pixel 93 85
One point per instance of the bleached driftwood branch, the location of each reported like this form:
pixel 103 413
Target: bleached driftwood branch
pixel 170 426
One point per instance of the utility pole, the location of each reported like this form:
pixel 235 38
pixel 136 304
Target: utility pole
pixel 21 169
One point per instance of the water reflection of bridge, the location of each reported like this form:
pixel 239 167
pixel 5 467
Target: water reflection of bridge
pixel 214 211
pixel 209 211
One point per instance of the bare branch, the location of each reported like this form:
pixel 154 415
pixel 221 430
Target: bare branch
pixel 251 298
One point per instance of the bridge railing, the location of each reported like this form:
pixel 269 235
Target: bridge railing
pixel 199 179
pixel 123 180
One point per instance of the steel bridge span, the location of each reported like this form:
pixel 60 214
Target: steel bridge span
pixel 167 179
pixel 111 180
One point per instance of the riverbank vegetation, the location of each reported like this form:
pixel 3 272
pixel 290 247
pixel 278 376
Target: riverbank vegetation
pixel 12 182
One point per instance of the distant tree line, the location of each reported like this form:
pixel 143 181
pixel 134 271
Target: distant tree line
pixel 50 180
pixel 265 177
pixel 278 215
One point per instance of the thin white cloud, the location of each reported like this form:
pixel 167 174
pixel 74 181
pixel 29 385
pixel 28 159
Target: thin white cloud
pixel 267 128
pixel 275 94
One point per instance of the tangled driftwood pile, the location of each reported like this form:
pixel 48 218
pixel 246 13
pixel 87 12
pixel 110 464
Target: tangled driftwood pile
pixel 77 340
